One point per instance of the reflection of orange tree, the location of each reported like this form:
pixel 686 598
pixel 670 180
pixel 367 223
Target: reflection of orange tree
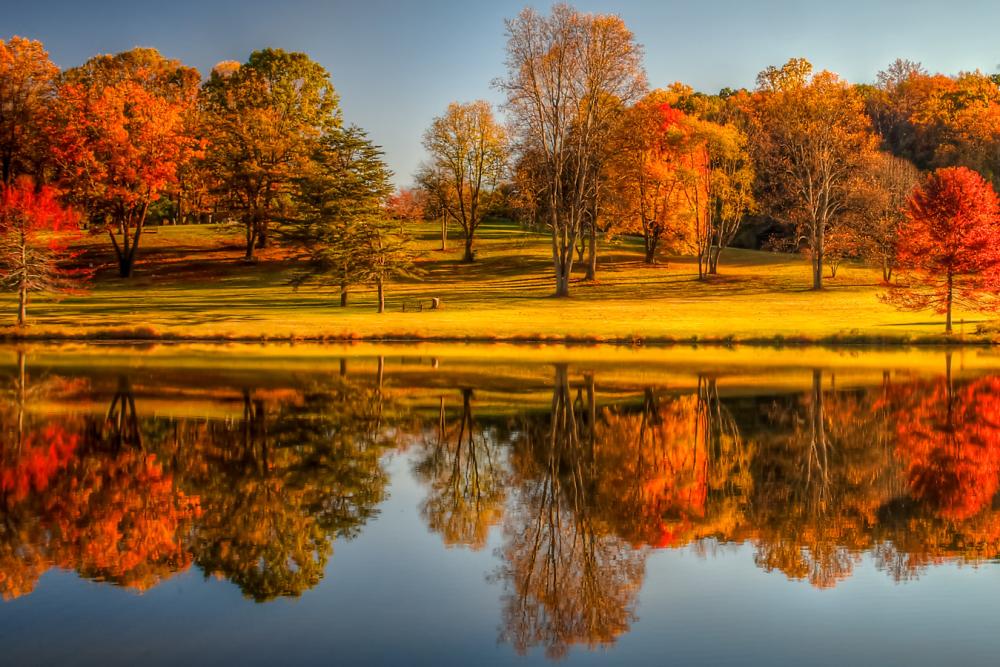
pixel 110 515
pixel 119 517
pixel 567 579
pixel 822 474
pixel 277 486
pixel 73 501
pixel 463 468
pixel 28 463
pixel 673 472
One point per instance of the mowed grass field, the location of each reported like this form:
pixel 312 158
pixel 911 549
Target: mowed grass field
pixel 191 282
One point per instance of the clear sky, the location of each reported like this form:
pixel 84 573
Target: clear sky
pixel 398 64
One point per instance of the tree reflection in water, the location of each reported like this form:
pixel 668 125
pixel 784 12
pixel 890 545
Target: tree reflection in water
pixel 578 475
pixel 567 579
pixel 462 465
pixel 131 500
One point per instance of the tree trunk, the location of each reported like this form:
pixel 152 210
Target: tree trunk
pixel 817 257
pixel 563 243
pixel 22 305
pixel 468 256
pixel 444 231
pixel 126 264
pixel 713 259
pixel 650 245
pixel 126 252
pixel 343 294
pixel 262 234
pixel 592 258
pixel 381 295
pixel 562 284
pixel 251 242
pixel 947 321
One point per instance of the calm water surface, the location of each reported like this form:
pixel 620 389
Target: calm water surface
pixel 399 506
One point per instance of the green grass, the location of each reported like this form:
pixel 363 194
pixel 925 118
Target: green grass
pixel 191 282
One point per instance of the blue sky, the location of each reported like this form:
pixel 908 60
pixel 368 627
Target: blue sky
pixel 398 64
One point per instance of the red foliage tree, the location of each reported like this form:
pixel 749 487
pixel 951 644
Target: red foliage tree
pixel 948 250
pixel 35 231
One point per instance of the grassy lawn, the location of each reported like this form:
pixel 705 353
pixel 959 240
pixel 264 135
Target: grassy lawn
pixel 191 283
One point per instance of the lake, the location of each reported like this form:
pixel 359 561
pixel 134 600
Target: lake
pixel 454 505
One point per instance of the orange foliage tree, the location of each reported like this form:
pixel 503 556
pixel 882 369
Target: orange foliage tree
pixel 27 86
pixel 120 137
pixel 811 139
pixel 950 440
pixel 643 172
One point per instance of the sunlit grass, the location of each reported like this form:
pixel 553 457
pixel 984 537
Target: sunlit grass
pixel 191 282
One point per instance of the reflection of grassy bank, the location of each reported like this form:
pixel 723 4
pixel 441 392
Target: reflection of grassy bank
pixel 187 379
pixel 191 285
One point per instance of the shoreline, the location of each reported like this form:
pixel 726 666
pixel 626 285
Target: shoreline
pixel 148 335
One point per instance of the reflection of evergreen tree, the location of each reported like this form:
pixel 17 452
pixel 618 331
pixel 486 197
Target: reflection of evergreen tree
pixel 281 483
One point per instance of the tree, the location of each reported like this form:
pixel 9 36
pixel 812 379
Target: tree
pixel 34 230
pixel 120 138
pixel 878 209
pixel 948 251
pixel 406 204
pixel 342 228
pixel 264 119
pixel 463 468
pixel 469 149
pixel 644 171
pixel 27 87
pixel 810 138
pixel 562 70
pixel 731 189
pixel 937 120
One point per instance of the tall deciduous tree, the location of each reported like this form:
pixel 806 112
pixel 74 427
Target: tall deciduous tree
pixel 562 69
pixel 34 234
pixel 264 120
pixel 948 251
pixel 27 87
pixel 878 209
pixel 470 149
pixel 811 138
pixel 120 138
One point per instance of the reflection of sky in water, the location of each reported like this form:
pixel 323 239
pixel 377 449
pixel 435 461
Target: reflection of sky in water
pixel 396 595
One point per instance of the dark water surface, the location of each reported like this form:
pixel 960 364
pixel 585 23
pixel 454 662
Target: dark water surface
pixel 498 506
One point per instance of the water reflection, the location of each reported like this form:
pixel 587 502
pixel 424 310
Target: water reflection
pixel 575 475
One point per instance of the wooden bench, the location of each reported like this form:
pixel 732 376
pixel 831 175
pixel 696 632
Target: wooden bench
pixel 417 305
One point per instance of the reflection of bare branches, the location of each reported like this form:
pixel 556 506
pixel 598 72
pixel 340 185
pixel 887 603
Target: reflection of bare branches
pixel 568 580
pixel 467 479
